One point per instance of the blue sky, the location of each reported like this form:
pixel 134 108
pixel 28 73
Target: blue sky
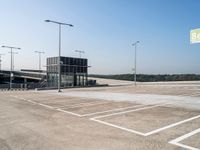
pixel 105 30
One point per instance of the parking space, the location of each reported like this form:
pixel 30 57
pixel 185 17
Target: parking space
pixel 100 108
pixel 192 140
pixel 67 102
pixel 60 101
pixel 117 118
pixel 82 107
pixel 148 120
pixel 189 141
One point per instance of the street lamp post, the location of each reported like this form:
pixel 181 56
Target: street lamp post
pixel 80 52
pixel 0 60
pixel 11 61
pixel 135 74
pixel 13 56
pixel 39 53
pixel 59 68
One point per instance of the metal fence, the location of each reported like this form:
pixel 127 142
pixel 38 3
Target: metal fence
pixel 30 85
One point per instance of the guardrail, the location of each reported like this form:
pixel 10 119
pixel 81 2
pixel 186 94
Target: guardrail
pixel 24 86
pixel 24 74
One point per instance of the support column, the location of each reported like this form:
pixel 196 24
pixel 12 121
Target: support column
pixel 25 83
pixel 79 80
pixel 86 79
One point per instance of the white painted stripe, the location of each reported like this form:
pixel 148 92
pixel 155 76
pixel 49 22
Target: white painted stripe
pixel 68 112
pixel 32 101
pixel 118 109
pixel 137 132
pixel 50 107
pixel 186 136
pixel 140 133
pixel 44 105
pixel 172 125
pixel 71 105
pixel 91 104
pixel 26 100
pixel 47 106
pixel 175 141
pixel 119 127
pixel 119 113
pixel 185 146
pixel 81 105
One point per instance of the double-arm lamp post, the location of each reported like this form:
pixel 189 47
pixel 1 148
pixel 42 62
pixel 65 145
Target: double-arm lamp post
pixel 39 53
pixel 11 61
pixel 80 52
pixel 59 68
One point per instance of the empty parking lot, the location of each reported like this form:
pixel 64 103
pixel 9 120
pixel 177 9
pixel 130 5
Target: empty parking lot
pixel 148 117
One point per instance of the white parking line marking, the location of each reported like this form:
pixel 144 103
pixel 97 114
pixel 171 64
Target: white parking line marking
pixel 137 132
pixel 172 125
pixel 179 139
pixel 119 127
pixel 81 105
pixel 71 105
pixel 33 102
pixel 25 99
pixel 118 109
pixel 128 111
pixel 47 106
pixel 68 112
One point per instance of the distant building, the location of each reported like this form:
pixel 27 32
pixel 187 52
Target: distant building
pixel 74 71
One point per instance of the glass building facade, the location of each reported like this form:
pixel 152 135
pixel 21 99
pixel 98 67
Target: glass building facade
pixel 74 71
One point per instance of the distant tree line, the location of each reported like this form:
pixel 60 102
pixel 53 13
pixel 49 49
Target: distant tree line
pixel 151 78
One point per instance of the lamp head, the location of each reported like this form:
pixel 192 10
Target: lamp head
pixel 135 43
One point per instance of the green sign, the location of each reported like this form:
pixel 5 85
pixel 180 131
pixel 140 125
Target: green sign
pixel 195 36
